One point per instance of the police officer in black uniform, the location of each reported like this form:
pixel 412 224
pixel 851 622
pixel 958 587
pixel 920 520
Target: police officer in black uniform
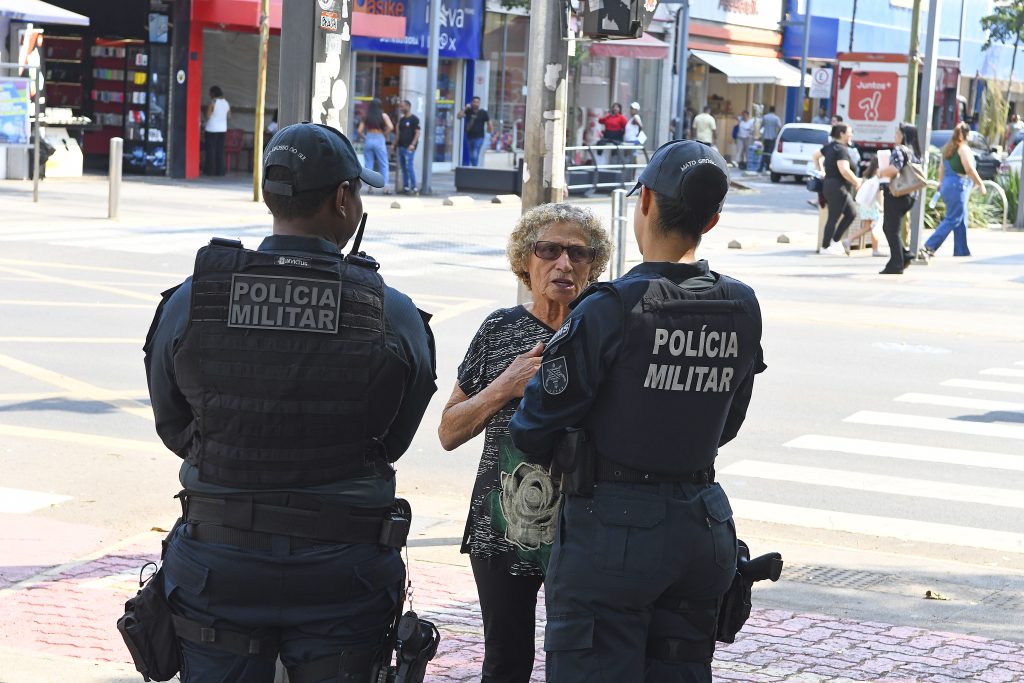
pixel 650 374
pixel 288 379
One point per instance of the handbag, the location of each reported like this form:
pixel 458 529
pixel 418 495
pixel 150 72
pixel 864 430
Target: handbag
pixel 641 137
pixel 814 183
pixel 910 179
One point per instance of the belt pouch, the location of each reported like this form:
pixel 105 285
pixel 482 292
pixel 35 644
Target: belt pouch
pixel 148 630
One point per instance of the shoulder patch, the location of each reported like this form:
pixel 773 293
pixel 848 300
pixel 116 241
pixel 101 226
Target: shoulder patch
pixel 554 375
pixel 566 331
pixel 563 331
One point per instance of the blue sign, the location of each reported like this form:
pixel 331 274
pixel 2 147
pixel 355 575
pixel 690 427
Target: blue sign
pixel 15 106
pixel 824 38
pixel 461 22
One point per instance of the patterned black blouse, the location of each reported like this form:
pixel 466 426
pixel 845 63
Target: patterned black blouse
pixel 505 334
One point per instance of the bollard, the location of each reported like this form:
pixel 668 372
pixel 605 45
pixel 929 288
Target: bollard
pixel 114 176
pixel 618 233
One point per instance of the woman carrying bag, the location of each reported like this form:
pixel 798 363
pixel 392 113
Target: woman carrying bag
pixel 838 186
pixel 895 206
pixel 955 177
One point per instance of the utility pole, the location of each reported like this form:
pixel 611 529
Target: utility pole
pixel 924 117
pixel 913 65
pixel 429 116
pixel 261 96
pixel 803 58
pixel 682 61
pixel 546 105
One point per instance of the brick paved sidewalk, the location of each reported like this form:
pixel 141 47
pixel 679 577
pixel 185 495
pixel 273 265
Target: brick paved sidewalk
pixel 71 612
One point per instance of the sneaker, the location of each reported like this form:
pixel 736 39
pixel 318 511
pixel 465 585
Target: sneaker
pixel 846 247
pixel 835 249
pixel 878 253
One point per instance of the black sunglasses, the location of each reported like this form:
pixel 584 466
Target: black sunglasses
pixel 550 251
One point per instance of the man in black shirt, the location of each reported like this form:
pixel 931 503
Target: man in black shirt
pixel 408 138
pixel 477 120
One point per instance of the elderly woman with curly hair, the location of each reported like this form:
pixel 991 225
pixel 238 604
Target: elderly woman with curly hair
pixel 556 250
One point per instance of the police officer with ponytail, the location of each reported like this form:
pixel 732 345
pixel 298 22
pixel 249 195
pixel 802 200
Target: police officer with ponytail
pixel 646 378
pixel 288 380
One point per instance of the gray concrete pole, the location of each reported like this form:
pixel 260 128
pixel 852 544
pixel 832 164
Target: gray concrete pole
pixel 803 59
pixel 261 96
pixel 924 117
pixel 430 115
pixel 682 60
pixel 114 177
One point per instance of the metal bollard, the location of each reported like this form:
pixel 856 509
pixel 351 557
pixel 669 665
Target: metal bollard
pixel 114 176
pixel 618 264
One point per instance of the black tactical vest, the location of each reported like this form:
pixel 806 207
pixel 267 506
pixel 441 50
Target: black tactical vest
pixel 285 367
pixel 665 401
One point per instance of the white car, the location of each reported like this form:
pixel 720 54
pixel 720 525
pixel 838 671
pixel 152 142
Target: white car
pixel 1012 161
pixel 796 143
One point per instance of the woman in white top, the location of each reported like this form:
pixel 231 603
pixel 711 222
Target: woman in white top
pixel 218 111
pixel 634 126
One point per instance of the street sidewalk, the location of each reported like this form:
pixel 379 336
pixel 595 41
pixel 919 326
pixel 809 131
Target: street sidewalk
pixel 60 626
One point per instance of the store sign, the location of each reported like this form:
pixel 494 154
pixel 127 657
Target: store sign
pixel 873 96
pixel 756 13
pixel 15 106
pixel 461 22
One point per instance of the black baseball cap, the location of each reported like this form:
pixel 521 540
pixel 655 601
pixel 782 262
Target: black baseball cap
pixel 317 155
pixel 675 161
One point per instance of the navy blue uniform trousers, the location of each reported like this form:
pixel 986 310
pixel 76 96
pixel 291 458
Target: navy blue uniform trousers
pixel 318 600
pixel 614 555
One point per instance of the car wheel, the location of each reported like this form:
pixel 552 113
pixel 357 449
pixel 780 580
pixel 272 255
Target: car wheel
pixel 775 177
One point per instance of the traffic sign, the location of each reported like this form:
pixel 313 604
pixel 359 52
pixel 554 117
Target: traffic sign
pixel 821 84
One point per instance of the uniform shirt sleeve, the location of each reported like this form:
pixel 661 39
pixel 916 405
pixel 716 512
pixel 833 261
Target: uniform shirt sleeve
pixel 409 335
pixel 591 339
pixel 175 422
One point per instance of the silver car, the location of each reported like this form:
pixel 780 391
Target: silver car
pixel 796 144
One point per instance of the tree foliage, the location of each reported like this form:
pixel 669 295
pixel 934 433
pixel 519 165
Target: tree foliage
pixel 1005 24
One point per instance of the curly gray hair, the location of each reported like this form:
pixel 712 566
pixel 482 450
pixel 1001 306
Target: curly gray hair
pixel 531 223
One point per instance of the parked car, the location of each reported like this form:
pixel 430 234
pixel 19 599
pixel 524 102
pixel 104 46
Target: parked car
pixel 793 150
pixel 985 159
pixel 1012 161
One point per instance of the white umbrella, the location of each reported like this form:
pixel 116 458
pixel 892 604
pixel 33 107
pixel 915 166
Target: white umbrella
pixel 40 12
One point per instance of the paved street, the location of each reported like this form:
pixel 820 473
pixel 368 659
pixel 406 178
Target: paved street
pixel 882 451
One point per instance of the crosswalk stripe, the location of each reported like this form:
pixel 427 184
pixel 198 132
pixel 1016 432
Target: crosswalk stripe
pixel 132 341
pixel 886 527
pixel 1002 372
pixel 937 424
pixel 960 402
pixel 21 501
pixel 908 451
pixel 875 483
pixel 110 443
pixel 1009 387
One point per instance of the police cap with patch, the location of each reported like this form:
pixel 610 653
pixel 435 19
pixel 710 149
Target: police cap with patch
pixel 318 157
pixel 679 160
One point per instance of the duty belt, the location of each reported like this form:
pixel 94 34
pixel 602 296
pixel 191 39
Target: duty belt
pixel 245 521
pixel 608 470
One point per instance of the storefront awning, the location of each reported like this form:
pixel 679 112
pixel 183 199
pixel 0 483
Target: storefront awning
pixel 748 69
pixel 644 47
pixel 40 12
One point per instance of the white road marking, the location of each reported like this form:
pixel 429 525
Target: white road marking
pixel 936 424
pixel 960 402
pixel 908 451
pixel 21 501
pixel 876 483
pixel 886 527
pixel 1002 372
pixel 981 384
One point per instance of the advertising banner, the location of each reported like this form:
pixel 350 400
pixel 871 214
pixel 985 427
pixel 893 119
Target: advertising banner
pixel 15 106
pixel 461 25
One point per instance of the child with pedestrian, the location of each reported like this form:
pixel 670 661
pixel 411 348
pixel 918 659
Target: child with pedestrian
pixel 869 198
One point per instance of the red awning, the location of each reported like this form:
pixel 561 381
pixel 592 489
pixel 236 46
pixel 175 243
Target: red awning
pixel 644 47
pixel 235 15
pixel 377 25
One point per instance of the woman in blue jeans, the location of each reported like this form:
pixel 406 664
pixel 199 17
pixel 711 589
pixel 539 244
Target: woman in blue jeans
pixel 955 178
pixel 375 128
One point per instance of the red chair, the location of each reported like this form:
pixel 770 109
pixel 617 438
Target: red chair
pixel 233 147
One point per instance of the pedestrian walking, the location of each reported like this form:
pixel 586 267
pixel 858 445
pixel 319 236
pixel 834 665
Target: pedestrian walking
pixel 375 128
pixel 955 177
pixel 907 150
pixel 869 198
pixel 556 250
pixel 478 125
pixel 822 116
pixel 771 124
pixel 838 187
pixel 645 546
pixel 614 124
pixel 1014 133
pixel 218 112
pixel 288 379
pixel 744 136
pixel 704 127
pixel 408 139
